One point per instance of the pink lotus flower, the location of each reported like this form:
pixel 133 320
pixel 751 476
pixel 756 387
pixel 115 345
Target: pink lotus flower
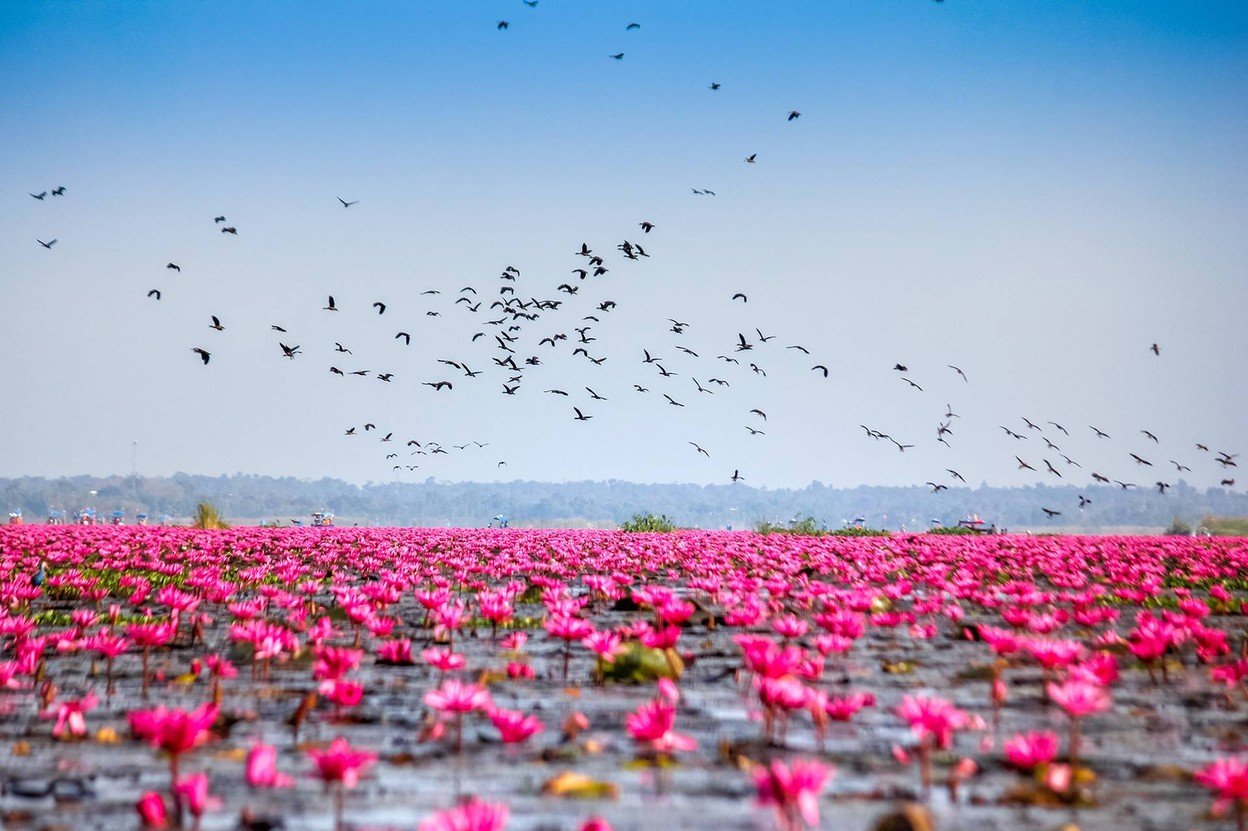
pixel 70 716
pixel 152 810
pixel 454 696
pixel 514 726
pixel 844 708
pixel 192 794
pixel 520 672
pixel 652 724
pixel 395 653
pixel 262 768
pixel 174 731
pixel 340 762
pixel 595 824
pixel 932 719
pixel 443 660
pixel 1079 698
pixel 793 790
pixel 1228 777
pixel 470 816
pixel 1028 751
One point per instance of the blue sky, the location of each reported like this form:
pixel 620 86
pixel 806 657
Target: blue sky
pixel 1035 192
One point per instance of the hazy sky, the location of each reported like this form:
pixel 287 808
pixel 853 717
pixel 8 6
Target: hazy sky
pixel 1035 192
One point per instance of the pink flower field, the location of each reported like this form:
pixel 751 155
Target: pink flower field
pixel 478 680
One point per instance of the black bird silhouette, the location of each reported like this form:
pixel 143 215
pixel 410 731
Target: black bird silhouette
pixel 331 307
pixel 580 416
pixel 380 307
pixel 901 367
pixel 556 392
pixel 336 371
pixel 230 229
pixel 503 24
pixel 276 328
pixel 1022 464
pixel 640 388
pixel 216 324
pixel 619 56
pixel 40 195
pixel 1150 435
pixel 438 385
pixel 218 219
pixel 646 227
pixel 385 376
pixel 1156 349
pixel 1083 501
pixel 741 296
pixel 764 338
pixel 754 432
pixel 1050 513
pixel 822 368
pixel 1100 434
pixel 1140 461
pixel 736 476
pixel 911 383
pixel 955 474
pixel 714 85
pixel 802 349
pixel 672 401
pixel 955 369
pixel 1059 427
pixel 793 114
pixel 1099 478
pixel 346 204
pixel 155 293
pixel 58 191
pixel 751 158
pixel 632 26
pixel 759 413
pixel 350 431
pixel 407 339
pixel 937 488
pixel 1161 487
pixel 1052 469
pixel 1228 483
pixel 204 355
pixel 700 449
pixel 174 266
pixel 289 351
pixel 47 244
pixel 595 395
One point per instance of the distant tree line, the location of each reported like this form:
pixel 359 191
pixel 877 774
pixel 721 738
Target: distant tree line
pixel 250 498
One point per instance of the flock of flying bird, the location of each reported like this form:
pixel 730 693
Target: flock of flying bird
pixel 521 326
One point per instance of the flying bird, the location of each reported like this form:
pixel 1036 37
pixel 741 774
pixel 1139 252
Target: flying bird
pixel 47 244
pixel 346 204
pixel 407 339
pixel 203 354
pixel 700 449
pixel 822 368
pixel 960 372
pixel 580 416
pixel 173 266
pixel 380 307
pixel 741 297
pixel 619 56
pixel 216 324
pixel 793 114
pixel 154 293
pixel 438 385
pixel 331 307
pixel 750 159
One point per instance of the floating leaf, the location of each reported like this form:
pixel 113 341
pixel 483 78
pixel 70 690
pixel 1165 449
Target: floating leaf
pixel 579 786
